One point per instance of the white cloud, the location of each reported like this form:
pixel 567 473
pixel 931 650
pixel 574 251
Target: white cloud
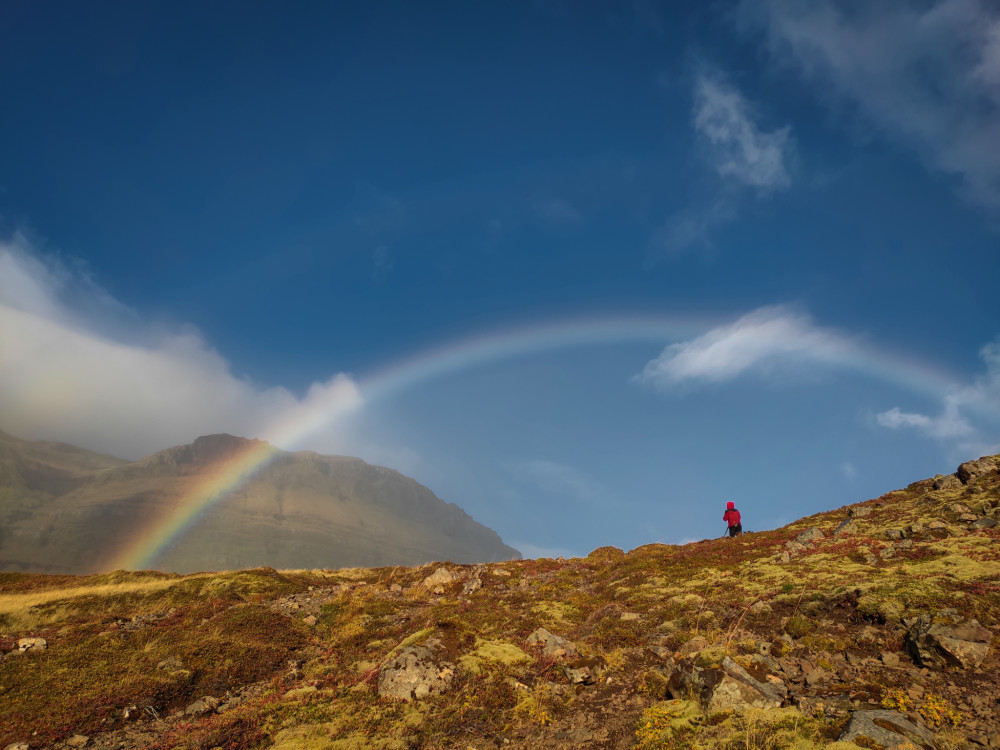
pixel 848 470
pixel 924 74
pixel 953 425
pixel 66 378
pixel 556 211
pixel 758 341
pixel 738 148
pixel 946 426
pixel 741 154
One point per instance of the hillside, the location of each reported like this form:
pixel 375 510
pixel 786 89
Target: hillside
pixel 873 625
pixel 65 510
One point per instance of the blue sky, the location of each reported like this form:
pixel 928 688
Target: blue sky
pixel 588 270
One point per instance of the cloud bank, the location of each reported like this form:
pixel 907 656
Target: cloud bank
pixel 926 75
pixel 65 377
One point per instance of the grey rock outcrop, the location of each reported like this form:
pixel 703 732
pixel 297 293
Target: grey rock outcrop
pixel 946 640
pixel 810 535
pixel 887 728
pixel 724 686
pixel 416 672
pixel 554 646
pixel 972 470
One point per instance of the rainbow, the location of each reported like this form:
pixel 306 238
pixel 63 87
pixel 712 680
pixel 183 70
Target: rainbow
pixel 295 428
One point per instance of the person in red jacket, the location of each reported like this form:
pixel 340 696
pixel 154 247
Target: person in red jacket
pixel 732 517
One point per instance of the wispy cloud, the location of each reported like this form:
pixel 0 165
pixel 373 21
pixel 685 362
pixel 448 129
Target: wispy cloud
pixel 556 211
pixel 953 425
pixel 69 373
pixel 742 155
pixel 759 341
pixel 738 149
pixel 924 74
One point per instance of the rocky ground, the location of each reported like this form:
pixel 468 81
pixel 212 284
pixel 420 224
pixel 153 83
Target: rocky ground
pixel 874 625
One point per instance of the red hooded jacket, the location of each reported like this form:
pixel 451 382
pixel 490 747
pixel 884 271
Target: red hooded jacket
pixel 731 516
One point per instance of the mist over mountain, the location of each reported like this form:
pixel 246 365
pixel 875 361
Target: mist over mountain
pixel 67 510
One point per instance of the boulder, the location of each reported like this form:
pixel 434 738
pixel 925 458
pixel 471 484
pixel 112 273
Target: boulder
pixel 850 526
pixel 553 646
pixel 416 672
pixel 32 644
pixel 440 577
pixel 970 471
pixel 725 686
pixel 810 535
pixel 659 644
pixel 889 729
pixel 946 640
pixel 859 511
pixel 584 671
pixel 942 482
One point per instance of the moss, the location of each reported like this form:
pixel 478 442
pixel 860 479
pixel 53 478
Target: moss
pixel 497 651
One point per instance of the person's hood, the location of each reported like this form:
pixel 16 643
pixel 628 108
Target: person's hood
pixel 730 506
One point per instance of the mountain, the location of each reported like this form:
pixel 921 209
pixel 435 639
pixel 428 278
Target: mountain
pixel 66 510
pixel 874 625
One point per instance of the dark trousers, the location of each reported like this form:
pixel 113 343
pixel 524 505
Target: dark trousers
pixel 737 529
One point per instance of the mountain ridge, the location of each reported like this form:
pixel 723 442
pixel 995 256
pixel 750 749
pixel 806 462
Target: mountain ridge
pixel 290 510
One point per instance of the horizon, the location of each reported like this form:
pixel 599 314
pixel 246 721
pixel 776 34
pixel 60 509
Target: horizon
pixel 586 271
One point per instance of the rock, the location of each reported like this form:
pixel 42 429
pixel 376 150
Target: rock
pixel 894 534
pixel 440 577
pixel 77 740
pixel 310 620
pixel 725 687
pixel 206 705
pixel 985 523
pixel 32 644
pixel 817 676
pixel 972 470
pixel 916 528
pixel 959 508
pixel 692 646
pixel 553 646
pixel 968 517
pixel 850 526
pixel 859 511
pixel 890 659
pixel 936 525
pixel 584 671
pixel 810 535
pixel 473 585
pixel 942 482
pixel 947 641
pixel 658 644
pixel 416 672
pixel 887 728
pixel 628 616
pixel 18 746
pixel 170 664
pixel 395 588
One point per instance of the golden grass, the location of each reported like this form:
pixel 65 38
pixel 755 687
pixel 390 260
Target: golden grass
pixel 19 611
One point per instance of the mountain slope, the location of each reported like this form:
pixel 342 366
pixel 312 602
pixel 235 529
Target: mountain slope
pixel 873 625
pixel 299 510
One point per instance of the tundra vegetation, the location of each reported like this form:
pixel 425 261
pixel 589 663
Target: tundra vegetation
pixel 810 628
